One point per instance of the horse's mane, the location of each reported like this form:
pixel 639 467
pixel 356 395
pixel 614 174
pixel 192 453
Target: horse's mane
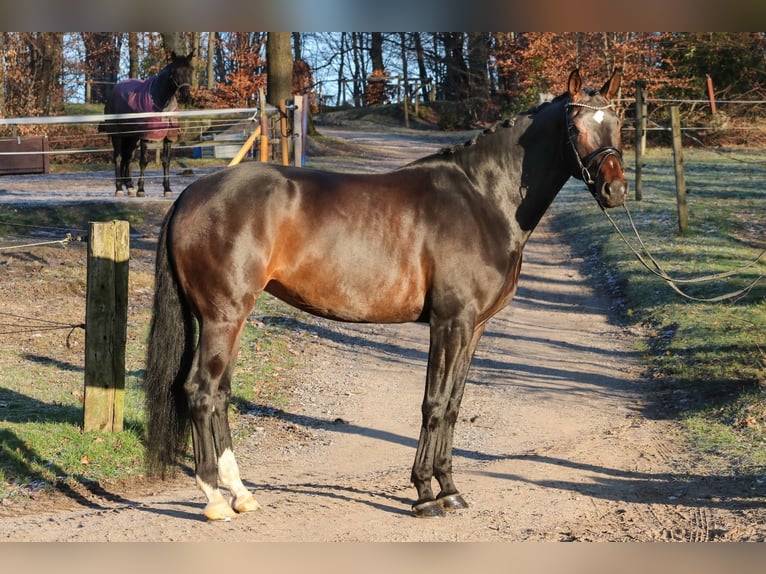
pixel 503 123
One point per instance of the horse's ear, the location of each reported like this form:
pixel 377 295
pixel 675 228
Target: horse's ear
pixel 612 85
pixel 575 82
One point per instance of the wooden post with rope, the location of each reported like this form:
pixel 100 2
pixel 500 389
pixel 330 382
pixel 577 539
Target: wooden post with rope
pixel 678 162
pixel 283 134
pixel 106 311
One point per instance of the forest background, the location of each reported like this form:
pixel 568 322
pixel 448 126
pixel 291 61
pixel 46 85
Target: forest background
pixel 484 74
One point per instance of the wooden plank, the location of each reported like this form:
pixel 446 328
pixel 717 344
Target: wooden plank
pixel 22 155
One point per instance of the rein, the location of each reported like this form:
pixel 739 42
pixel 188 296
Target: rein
pixel 657 270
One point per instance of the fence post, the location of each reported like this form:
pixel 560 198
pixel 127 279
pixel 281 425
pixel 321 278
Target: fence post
pixel 264 123
pixel 283 142
pixel 300 120
pixel 678 162
pixel 105 325
pixel 640 136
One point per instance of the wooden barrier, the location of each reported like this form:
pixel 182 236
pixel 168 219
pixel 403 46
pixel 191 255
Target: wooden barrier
pixel 105 326
pixel 299 113
pixel 23 155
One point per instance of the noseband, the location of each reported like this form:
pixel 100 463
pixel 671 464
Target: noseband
pixel 585 163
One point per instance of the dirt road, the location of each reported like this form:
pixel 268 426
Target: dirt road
pixel 554 440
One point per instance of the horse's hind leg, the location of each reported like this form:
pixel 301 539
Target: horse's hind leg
pixel 116 157
pixel 126 156
pixel 228 471
pixel 142 163
pixel 166 168
pixel 208 390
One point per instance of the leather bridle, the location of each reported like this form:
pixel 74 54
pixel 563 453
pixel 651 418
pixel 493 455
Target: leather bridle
pixel 601 154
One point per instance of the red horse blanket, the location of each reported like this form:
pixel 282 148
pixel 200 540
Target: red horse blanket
pixel 134 96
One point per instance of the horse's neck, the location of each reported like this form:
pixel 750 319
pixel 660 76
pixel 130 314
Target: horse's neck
pixel 521 167
pixel 162 89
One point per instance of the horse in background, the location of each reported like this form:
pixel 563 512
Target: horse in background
pixel 158 93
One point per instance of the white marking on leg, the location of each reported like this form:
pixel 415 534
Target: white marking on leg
pixel 228 475
pixel 217 506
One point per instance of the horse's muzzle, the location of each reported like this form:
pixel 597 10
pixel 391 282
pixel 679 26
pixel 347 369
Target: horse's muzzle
pixel 613 192
pixel 611 188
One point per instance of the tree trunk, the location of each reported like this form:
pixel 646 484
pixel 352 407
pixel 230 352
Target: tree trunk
pixel 45 64
pixel 279 63
pixel 376 51
pixel 358 74
pixel 102 63
pixel 172 42
pixel 133 58
pixel 196 63
pixel 211 47
pixel 423 71
pixel 298 45
pixel 456 76
pixel 478 56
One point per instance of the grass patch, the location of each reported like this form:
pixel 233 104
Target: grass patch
pixel 707 360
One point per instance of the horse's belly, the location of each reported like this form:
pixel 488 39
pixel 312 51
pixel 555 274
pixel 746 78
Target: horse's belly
pixel 380 297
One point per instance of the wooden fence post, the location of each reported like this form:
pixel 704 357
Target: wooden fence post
pixel 264 123
pixel 300 125
pixel 678 162
pixel 640 136
pixel 105 326
pixel 283 135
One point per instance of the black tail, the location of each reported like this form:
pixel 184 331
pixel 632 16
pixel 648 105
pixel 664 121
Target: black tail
pixel 169 357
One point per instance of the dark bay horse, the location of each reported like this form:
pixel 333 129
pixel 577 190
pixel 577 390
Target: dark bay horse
pixel 157 93
pixel 437 241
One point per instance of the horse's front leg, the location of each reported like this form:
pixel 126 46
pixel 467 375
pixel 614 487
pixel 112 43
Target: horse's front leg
pixel 449 498
pixel 142 163
pixel 452 344
pixel 167 192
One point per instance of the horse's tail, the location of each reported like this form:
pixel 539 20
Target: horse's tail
pixel 169 357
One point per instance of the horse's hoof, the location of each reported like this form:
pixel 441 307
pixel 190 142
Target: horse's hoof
pixel 452 502
pixel 140 193
pixel 219 512
pixel 248 504
pixel 119 193
pixel 168 194
pixel 428 509
pixel 131 192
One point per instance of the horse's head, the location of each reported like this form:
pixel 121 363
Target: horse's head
pixel 181 74
pixel 594 133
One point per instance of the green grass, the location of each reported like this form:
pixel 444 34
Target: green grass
pixel 707 361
